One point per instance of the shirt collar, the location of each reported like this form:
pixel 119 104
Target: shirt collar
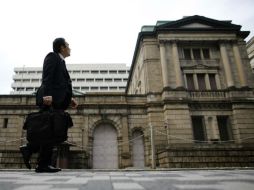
pixel 61 56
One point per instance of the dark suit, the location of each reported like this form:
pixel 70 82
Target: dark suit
pixel 56 82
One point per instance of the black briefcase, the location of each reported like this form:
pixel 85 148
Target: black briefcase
pixel 45 127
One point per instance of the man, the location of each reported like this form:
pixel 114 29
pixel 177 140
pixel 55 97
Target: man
pixel 55 92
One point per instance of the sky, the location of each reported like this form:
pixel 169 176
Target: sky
pixel 98 31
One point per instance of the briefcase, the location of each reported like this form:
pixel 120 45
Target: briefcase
pixel 45 127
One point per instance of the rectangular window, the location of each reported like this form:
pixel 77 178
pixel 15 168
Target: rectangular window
pixel 5 124
pixel 122 72
pixel 103 72
pixel 198 128
pixel 84 88
pixel 201 81
pixel 196 53
pixel 206 53
pixel 212 81
pixel 224 128
pixel 117 80
pixel 190 82
pixel 187 53
pixel 108 80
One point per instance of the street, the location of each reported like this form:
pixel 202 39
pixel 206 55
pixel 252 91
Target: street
pixel 128 180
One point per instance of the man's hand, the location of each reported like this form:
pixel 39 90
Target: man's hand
pixel 47 100
pixel 74 103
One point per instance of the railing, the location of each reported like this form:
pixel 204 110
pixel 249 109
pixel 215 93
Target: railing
pixel 207 95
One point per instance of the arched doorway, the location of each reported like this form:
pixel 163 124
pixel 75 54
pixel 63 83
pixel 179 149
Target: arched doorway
pixel 138 149
pixel 105 151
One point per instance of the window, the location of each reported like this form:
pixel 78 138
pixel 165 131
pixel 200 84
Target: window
pixel 80 80
pixel 201 81
pixel 187 53
pixel 122 72
pixel 198 128
pixel 103 88
pixel 94 88
pixel 224 128
pixel 85 71
pixel 29 89
pixel 113 88
pixel 103 72
pixel 206 53
pixel 89 80
pixel 190 82
pixel 212 81
pixel 108 80
pixel 99 80
pixel 196 54
pixel 112 72
pixel 117 80
pixel 84 88
pixel 94 72
pixel 5 124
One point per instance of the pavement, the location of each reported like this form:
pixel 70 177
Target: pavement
pixel 216 179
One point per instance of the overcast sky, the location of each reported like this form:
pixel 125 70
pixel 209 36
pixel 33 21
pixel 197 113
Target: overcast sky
pixel 98 31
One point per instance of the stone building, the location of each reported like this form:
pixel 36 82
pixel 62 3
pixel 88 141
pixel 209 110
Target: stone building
pixel 250 51
pixel 188 103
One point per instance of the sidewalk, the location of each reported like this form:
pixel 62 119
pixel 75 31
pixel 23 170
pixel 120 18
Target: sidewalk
pixel 128 180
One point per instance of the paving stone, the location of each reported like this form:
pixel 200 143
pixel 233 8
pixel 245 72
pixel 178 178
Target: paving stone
pixel 128 180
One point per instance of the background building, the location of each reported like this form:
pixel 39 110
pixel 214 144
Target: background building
pixel 189 102
pixel 250 50
pixel 85 78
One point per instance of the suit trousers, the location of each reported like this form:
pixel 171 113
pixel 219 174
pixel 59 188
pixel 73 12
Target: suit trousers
pixel 45 153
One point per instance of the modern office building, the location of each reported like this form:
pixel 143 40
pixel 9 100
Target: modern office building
pixel 188 103
pixel 250 50
pixel 85 78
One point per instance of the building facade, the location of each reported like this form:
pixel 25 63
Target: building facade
pixel 86 78
pixel 188 102
pixel 250 50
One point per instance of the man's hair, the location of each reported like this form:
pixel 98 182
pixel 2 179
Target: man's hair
pixel 57 43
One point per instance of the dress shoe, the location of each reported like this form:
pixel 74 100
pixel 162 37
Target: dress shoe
pixel 47 169
pixel 26 156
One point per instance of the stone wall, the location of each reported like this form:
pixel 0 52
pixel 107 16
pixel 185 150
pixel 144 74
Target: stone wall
pixel 206 157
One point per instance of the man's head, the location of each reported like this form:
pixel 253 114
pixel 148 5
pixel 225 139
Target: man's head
pixel 61 46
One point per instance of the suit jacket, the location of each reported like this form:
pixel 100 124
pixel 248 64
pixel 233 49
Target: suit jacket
pixel 56 82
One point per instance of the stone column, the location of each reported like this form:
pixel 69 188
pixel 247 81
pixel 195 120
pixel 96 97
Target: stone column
pixel 195 79
pixel 217 79
pixel 178 72
pixel 239 65
pixel 207 82
pixel 226 64
pixel 164 66
pixel 126 155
